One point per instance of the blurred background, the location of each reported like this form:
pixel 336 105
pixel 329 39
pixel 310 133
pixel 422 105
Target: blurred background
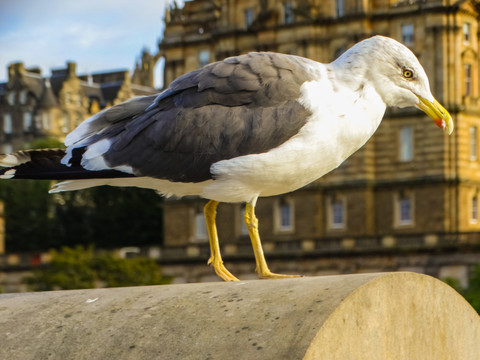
pixel 407 201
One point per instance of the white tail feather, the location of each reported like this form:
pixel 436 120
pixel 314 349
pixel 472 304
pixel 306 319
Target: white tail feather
pixel 163 187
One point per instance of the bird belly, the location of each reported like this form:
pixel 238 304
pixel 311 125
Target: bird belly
pixel 318 148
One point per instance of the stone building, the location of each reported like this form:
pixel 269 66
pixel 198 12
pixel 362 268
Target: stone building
pixel 407 200
pixel 33 106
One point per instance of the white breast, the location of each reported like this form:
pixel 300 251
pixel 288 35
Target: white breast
pixel 342 121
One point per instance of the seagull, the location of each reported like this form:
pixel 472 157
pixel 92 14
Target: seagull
pixel 255 125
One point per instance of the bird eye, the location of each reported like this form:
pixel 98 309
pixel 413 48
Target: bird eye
pixel 407 73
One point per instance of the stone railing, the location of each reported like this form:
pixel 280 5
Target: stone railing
pixel 356 317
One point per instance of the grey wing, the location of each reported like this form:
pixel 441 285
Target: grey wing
pixel 242 105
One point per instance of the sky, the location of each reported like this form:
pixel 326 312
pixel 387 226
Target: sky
pixel 99 35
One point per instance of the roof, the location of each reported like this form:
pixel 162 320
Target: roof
pixel 57 80
pixel 91 89
pixel 110 90
pixel 48 98
pixel 143 90
pixel 104 87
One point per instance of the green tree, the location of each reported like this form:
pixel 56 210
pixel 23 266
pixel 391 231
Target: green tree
pixel 68 269
pixel 105 216
pixel 82 268
pixel 45 143
pixel 472 293
pixel 28 208
pixel 115 272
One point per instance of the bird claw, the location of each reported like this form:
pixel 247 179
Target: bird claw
pixel 270 275
pixel 221 270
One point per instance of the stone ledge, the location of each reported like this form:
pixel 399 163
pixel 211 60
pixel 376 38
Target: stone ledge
pixel 377 316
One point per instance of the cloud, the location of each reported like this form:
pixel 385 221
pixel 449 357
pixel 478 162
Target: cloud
pixel 98 35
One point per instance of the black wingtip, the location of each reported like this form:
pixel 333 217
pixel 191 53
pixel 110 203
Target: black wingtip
pixel 46 165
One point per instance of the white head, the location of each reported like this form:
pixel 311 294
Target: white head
pixel 396 75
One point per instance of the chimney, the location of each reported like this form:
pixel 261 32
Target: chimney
pixel 71 69
pixel 19 68
pixel 126 76
pixel 15 70
pixel 35 70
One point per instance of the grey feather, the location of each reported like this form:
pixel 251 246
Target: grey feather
pixel 242 105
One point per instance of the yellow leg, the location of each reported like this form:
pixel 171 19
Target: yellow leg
pixel 252 225
pixel 215 260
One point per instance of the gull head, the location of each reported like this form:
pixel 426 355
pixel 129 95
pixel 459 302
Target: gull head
pixel 397 76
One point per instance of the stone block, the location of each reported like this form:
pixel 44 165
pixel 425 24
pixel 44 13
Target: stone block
pixel 356 317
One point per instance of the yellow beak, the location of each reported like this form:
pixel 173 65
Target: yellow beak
pixel 437 112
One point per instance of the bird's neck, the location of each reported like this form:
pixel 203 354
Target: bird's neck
pixel 349 70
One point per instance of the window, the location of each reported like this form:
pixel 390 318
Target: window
pixel 204 57
pixel 23 97
pixel 406 143
pixel 404 209
pixel 467 33
pixel 201 232
pixel 6 148
pixel 339 7
pixel 45 120
pixel 468 79
pixel 27 121
pixel 248 15
pixel 407 34
pixel 284 215
pixel 7 123
pixel 336 212
pixel 474 210
pixel 339 51
pixel 288 13
pixel 243 226
pixel 130 252
pixel 473 143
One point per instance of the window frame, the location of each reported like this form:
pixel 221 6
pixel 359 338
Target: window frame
pixel 408 38
pixel 200 231
pixel 339 8
pixel 7 123
pixel 468 79
pixel 473 143
pixel 467 33
pixel 288 14
pixel 242 227
pixel 406 150
pixel 400 197
pixel 23 97
pixel 201 60
pixel 46 121
pixel 248 17
pixel 279 211
pixel 332 203
pixel 27 120
pixel 474 209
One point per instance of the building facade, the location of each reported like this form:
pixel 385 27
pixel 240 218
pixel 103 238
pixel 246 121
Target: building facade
pixel 33 106
pixel 407 200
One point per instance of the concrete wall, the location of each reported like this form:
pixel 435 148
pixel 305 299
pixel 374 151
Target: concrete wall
pixel 370 316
